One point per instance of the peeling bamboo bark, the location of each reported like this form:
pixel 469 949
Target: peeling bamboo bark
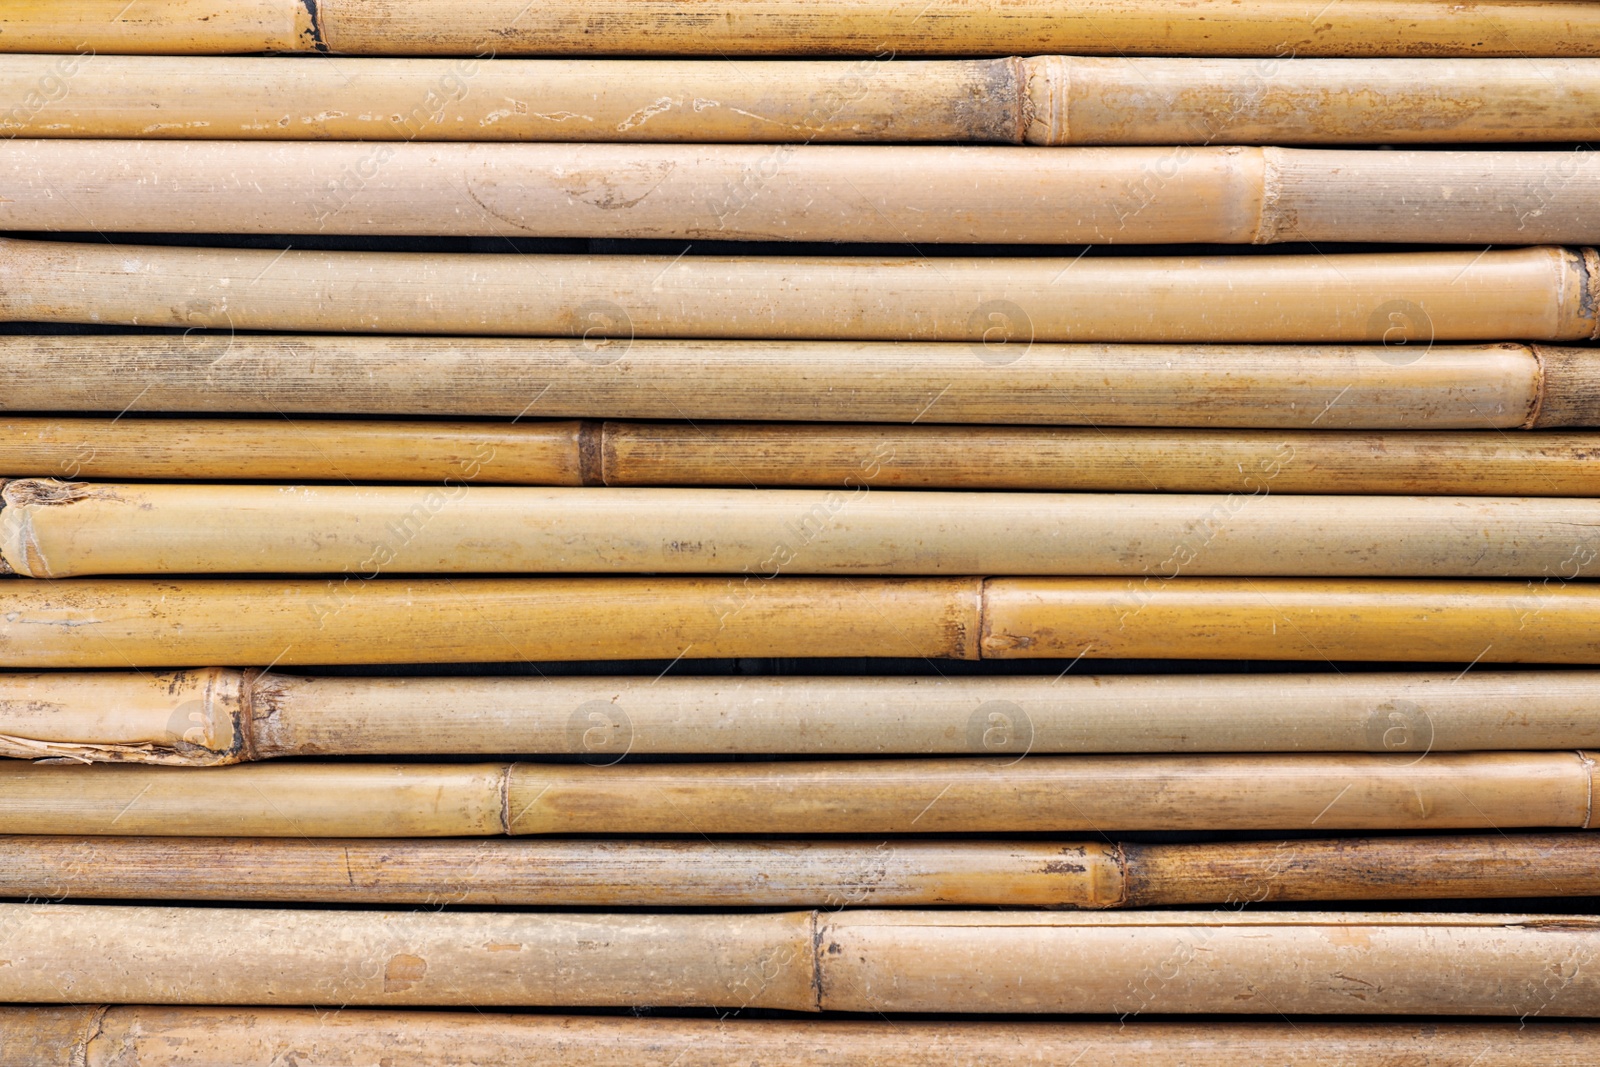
pixel 999 304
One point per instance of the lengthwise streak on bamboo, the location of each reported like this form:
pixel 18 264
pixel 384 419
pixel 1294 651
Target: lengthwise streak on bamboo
pixel 1047 794
pixel 820 873
pixel 1414 385
pixel 864 961
pixel 85 623
pixel 1041 100
pixel 1215 195
pixel 217 716
pixel 998 305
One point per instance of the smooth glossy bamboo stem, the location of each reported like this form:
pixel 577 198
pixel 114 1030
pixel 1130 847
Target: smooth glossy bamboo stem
pixel 999 305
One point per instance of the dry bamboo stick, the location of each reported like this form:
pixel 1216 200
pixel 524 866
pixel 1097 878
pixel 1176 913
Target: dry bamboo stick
pixel 781 27
pixel 1049 794
pixel 998 304
pixel 868 961
pixel 1045 100
pixel 738 873
pixel 223 716
pixel 990 195
pixel 106 1036
pixel 55 529
pixel 1500 387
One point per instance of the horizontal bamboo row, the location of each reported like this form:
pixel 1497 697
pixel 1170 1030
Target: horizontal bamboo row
pixel 866 961
pixel 1045 794
pixel 974 194
pixel 217 716
pixel 876 28
pixel 736 873
pixel 999 305
pixel 1041 100
pixel 352 618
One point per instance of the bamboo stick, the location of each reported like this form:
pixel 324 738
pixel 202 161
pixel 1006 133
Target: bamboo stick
pixel 1482 387
pixel 1534 294
pixel 1048 794
pixel 827 27
pixel 55 529
pixel 170 1037
pixel 990 195
pixel 222 716
pixel 868 961
pixel 1045 100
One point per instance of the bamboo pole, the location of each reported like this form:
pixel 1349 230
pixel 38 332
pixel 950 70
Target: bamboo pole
pixel 827 27
pixel 867 961
pixel 989 195
pixel 1047 794
pixel 55 529
pixel 1044 100
pixel 223 716
pixel 170 1037
pixel 999 304
pixel 1482 387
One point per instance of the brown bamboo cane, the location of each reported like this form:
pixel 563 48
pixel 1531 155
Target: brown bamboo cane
pixel 1264 28
pixel 224 716
pixel 96 1036
pixel 736 873
pixel 868 961
pixel 989 195
pixel 1048 794
pixel 56 529
pixel 1000 304
pixel 1498 387
pixel 1045 100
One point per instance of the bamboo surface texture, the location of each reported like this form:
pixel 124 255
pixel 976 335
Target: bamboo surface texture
pixel 1047 794
pixel 105 1036
pixel 972 194
pixel 224 716
pixel 877 28
pixel 56 529
pixel 865 961
pixel 1042 100
pixel 350 619
pixel 735 873
pixel 1422 386
pixel 997 304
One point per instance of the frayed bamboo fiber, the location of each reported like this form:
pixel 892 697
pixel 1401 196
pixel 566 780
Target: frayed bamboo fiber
pixel 55 529
pixel 223 716
pixel 356 618
pixel 735 873
pixel 1168 195
pixel 1043 100
pixel 877 28
pixel 865 961
pixel 998 304
pixel 1433 387
pixel 109 1036
pixel 1046 794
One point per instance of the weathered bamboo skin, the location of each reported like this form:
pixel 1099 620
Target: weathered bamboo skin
pixel 1481 387
pixel 825 27
pixel 1532 294
pixel 1134 195
pixel 56 529
pixel 186 1037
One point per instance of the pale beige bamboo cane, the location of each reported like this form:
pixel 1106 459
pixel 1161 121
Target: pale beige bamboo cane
pixel 991 195
pixel 1500 387
pixel 828 27
pixel 917 796
pixel 179 1037
pixel 869 961
pixel 1000 304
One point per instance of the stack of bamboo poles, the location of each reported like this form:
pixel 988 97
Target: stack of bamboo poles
pixel 699 527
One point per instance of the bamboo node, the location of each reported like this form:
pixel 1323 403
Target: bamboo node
pixel 1047 81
